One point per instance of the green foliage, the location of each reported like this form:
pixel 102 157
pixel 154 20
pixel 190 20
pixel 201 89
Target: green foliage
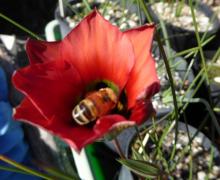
pixel 142 168
pixel 142 164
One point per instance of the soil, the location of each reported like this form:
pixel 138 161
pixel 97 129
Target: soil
pixel 112 11
pixel 199 157
pixel 168 13
pixel 212 3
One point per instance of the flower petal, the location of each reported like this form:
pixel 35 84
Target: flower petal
pixel 52 87
pixel 108 123
pixel 144 73
pixel 80 136
pixel 76 136
pixel 42 51
pixel 27 112
pixel 141 111
pixel 99 51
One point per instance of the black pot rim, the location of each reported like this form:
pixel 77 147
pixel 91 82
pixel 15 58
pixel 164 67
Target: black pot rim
pixel 206 142
pixel 201 7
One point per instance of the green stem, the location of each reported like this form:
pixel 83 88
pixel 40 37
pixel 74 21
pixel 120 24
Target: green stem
pixel 139 12
pixel 169 75
pixel 198 40
pixel 149 18
pixel 147 14
pixel 209 109
pixel 166 62
pixel 201 80
pixel 191 51
pixel 87 5
pixel 141 142
pixel 20 26
pixel 165 35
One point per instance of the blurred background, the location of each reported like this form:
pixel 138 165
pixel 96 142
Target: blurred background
pixel 187 58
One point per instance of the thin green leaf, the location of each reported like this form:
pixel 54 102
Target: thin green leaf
pixel 210 163
pixel 191 51
pixel 141 143
pixel 20 26
pixel 11 169
pixel 191 166
pixel 179 8
pixel 141 168
pixel 209 109
pixel 199 40
pixel 136 155
pixel 74 10
pixel 144 8
pixel 24 168
pixel 87 5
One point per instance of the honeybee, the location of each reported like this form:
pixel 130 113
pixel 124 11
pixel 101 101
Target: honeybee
pixel 95 105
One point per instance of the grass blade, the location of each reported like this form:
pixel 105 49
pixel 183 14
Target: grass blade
pixel 24 168
pixel 20 26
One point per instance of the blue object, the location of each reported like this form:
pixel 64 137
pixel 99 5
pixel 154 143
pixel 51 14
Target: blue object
pixel 12 144
pixel 5 116
pixel 3 86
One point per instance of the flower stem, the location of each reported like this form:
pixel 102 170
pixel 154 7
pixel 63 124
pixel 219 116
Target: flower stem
pixel 158 39
pixel 166 62
pixel 118 148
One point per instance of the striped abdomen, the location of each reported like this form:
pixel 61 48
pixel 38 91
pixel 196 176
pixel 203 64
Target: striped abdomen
pixel 95 105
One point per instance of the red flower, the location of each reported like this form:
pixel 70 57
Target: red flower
pixel 60 74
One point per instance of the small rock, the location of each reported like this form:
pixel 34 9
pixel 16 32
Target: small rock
pixel 179 166
pixel 216 170
pixel 201 175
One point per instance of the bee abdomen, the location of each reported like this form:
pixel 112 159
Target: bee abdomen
pixel 95 105
pixel 84 112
